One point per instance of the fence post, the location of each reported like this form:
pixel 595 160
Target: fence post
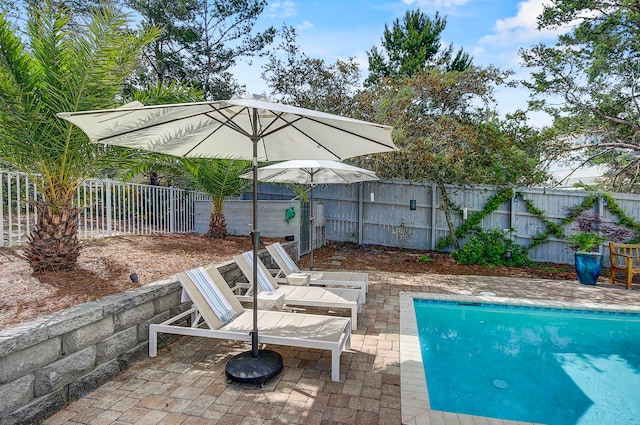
pixel 108 206
pixel 601 215
pixel 512 211
pixel 10 215
pixel 434 199
pixel 360 212
pixel 172 209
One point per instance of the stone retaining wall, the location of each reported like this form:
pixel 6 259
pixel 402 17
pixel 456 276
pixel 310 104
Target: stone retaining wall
pixel 58 358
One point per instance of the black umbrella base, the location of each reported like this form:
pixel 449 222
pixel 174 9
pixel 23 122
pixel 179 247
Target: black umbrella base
pixel 246 369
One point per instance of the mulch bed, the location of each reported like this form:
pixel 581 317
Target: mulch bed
pixel 105 266
pixel 374 257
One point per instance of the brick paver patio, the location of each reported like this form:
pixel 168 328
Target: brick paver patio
pixel 185 384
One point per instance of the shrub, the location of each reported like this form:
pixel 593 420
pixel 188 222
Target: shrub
pixel 592 232
pixel 424 259
pixel 586 242
pixel 489 248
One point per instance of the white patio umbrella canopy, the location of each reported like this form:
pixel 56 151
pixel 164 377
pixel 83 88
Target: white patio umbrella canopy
pixel 226 129
pixel 239 128
pixel 312 172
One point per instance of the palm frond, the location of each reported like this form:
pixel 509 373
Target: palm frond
pixel 61 67
pixel 218 177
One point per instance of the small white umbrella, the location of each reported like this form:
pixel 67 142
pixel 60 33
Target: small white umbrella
pixel 238 128
pixel 312 172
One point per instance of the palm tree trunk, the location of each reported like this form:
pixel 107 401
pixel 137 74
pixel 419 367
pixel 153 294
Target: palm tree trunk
pixel 217 225
pixel 54 244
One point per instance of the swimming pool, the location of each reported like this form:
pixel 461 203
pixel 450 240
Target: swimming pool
pixel 554 366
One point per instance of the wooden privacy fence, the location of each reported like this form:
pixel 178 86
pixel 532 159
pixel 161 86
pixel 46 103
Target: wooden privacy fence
pixel 107 208
pixel 410 214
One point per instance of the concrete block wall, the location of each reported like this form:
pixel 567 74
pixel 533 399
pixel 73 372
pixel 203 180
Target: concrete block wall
pixel 271 220
pixel 50 361
pixel 60 357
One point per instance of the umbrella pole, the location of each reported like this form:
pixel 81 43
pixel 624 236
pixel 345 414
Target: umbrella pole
pixel 311 225
pixel 255 366
pixel 255 239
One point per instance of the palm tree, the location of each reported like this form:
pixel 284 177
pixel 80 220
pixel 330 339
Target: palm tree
pixel 220 179
pixel 58 66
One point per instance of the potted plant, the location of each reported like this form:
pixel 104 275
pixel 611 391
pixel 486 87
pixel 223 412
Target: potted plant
pixel 591 233
pixel 588 261
pixel 585 242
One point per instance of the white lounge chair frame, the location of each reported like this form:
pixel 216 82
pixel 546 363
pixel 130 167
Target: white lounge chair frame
pixel 275 327
pixel 287 267
pixel 309 296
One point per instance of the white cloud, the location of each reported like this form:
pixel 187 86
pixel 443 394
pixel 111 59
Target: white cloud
pixel 305 25
pixel 526 18
pixel 281 9
pixel 522 28
pixel 478 51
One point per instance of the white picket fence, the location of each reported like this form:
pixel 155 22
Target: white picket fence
pixel 107 208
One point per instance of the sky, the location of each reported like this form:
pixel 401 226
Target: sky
pixel 492 31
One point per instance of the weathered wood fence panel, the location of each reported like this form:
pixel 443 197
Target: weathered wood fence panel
pixel 380 213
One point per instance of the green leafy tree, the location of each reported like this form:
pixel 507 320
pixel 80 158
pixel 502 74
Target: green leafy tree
pixel 165 58
pixel 412 46
pixel 449 132
pixel 220 179
pixel 299 80
pixel 201 41
pixel 58 68
pixel 228 36
pixel 588 81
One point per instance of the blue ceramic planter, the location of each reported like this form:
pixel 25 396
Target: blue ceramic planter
pixel 588 267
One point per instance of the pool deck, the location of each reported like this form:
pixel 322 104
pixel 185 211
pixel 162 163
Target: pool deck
pixel 185 384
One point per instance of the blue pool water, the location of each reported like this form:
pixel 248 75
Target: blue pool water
pixel 548 366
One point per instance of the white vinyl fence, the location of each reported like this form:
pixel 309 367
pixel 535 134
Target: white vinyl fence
pixel 107 208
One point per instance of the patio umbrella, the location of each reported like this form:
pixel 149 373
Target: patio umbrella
pixel 312 172
pixel 238 128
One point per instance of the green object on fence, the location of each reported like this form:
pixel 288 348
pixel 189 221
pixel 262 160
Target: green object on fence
pixel 290 213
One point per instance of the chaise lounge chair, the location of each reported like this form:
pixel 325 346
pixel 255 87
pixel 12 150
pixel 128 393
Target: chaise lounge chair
pixel 309 296
pixel 216 313
pixel 318 277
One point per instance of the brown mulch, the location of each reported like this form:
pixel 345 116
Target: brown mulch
pixel 105 265
pixel 382 258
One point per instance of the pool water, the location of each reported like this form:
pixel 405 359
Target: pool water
pixel 550 366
